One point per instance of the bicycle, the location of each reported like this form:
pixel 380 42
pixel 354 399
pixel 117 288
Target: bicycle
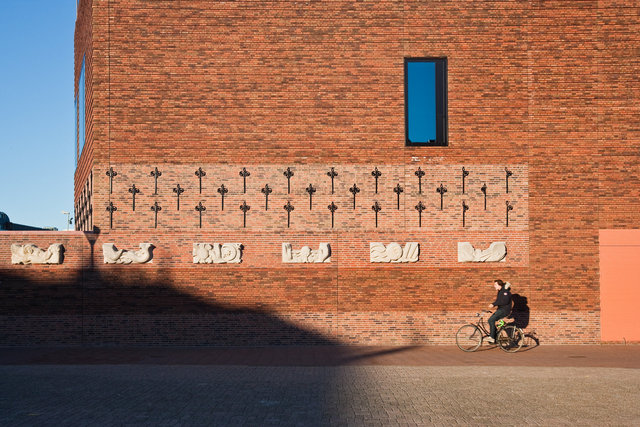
pixel 509 337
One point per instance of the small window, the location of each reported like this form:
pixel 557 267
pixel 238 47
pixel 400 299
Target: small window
pixel 425 85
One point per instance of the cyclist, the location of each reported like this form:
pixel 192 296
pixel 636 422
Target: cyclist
pixel 503 302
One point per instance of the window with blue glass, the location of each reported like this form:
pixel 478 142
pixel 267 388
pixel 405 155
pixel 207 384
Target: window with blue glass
pixel 81 110
pixel 425 83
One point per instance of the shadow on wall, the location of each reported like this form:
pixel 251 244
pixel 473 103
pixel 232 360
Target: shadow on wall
pixel 131 306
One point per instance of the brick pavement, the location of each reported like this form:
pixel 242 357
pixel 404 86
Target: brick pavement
pixel 586 385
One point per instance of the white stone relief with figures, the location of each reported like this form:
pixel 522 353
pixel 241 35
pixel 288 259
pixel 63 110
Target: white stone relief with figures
pixel 113 255
pixel 31 254
pixel 496 252
pixel 394 252
pixel 217 253
pixel 306 254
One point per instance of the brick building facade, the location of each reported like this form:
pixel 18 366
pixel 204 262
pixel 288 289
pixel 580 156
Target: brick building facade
pixel 542 94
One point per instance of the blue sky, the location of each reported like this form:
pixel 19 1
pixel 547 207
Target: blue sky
pixel 36 111
pixel 422 101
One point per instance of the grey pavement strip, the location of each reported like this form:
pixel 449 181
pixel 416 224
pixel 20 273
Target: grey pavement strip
pixel 309 396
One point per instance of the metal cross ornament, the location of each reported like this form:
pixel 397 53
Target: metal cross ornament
pixel 508 174
pixel 398 189
pixel 223 190
pixel 509 208
pixel 419 173
pixel 310 189
pixel 200 208
pixel 420 207
pixel 134 190
pixel 244 173
pixel 376 208
pixel 465 208
pixel 332 174
pixel 111 209
pixel 442 189
pixel 354 190
pixel 266 190
pixel 155 173
pixel 288 173
pixel 156 208
pixel 484 191
pixel 244 208
pixel 200 173
pixel 332 207
pixel 465 173
pixel 376 174
pixel 111 173
pixel 288 207
pixel 178 190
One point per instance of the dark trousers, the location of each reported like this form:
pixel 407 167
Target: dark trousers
pixel 499 314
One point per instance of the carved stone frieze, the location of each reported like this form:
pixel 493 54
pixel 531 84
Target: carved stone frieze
pixel 217 253
pixel 393 252
pixel 112 255
pixel 31 254
pixel 496 252
pixel 305 254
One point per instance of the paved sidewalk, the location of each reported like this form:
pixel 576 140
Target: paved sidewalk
pixel 313 386
pixel 611 356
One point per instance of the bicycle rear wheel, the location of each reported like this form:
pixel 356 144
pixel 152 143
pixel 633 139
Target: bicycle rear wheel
pixel 468 338
pixel 510 338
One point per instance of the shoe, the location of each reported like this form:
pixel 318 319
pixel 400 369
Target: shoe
pixel 490 340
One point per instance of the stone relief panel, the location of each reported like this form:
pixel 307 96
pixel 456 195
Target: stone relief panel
pixel 306 254
pixel 217 253
pixel 112 255
pixel 31 254
pixel 496 252
pixel 394 252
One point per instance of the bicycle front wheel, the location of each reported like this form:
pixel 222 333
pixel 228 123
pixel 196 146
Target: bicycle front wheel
pixel 468 338
pixel 510 338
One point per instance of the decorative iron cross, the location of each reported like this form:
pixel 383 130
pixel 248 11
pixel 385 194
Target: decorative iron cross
pixel 442 189
pixel 111 173
pixel 111 209
pixel 354 190
pixel 420 207
pixel 223 190
pixel 288 207
pixel 200 173
pixel 465 173
pixel 310 189
pixel 266 190
pixel 332 174
pixel 508 173
pixel 244 173
pixel 398 189
pixel 509 208
pixel 376 174
pixel 288 173
pixel 419 173
pixel 156 208
pixel 244 208
pixel 465 208
pixel 200 208
pixel 178 190
pixel 484 191
pixel 332 207
pixel 155 174
pixel 376 208
pixel 134 190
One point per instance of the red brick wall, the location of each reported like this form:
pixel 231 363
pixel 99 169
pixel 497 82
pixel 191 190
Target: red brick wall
pixel 546 88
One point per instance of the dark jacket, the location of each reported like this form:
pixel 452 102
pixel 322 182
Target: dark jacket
pixel 503 299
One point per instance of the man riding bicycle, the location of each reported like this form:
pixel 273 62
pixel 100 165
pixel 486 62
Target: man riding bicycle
pixel 503 302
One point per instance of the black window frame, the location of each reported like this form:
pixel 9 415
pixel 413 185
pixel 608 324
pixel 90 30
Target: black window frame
pixel 442 139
